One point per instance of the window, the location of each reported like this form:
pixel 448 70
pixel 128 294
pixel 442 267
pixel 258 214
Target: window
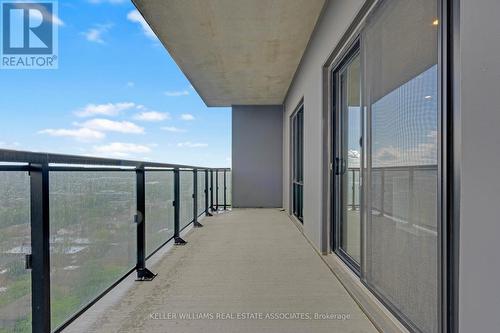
pixel 297 122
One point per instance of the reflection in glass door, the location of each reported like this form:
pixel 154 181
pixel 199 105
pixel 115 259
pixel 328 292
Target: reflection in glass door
pixel 347 154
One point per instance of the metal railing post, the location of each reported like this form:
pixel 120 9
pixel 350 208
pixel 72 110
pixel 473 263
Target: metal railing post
pixel 177 205
pixel 217 190
pixel 196 224
pixel 225 190
pixel 39 259
pixel 212 190
pixel 207 213
pixel 382 190
pixel 353 207
pixel 143 274
pixel 411 195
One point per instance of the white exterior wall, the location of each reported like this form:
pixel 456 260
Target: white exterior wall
pixel 307 84
pixel 479 259
pixel 479 296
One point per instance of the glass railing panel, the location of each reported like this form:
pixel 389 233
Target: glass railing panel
pixel 377 196
pixel 186 197
pixel 353 189
pixel 396 193
pixel 229 187
pixel 220 191
pixel 425 198
pixel 201 192
pixel 15 243
pixel 92 236
pixel 159 208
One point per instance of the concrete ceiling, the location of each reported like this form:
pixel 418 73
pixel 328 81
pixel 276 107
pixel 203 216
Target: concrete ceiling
pixel 235 52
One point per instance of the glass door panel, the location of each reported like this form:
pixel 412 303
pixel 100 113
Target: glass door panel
pixel 403 218
pixel 351 151
pixel 348 159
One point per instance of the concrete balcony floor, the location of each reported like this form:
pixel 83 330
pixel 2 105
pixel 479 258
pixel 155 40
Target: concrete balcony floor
pixel 243 261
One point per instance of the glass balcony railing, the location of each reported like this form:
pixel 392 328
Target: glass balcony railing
pixel 72 228
pixel 397 192
pixel 15 244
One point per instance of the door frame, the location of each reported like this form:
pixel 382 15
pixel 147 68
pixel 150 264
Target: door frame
pixel 449 155
pixel 291 161
pixel 336 133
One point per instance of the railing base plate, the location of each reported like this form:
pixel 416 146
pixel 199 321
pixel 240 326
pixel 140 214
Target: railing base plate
pixel 179 241
pixel 197 224
pixel 145 274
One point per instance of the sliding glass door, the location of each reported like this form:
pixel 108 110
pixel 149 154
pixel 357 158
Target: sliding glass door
pixel 347 152
pixel 386 160
pixel 401 53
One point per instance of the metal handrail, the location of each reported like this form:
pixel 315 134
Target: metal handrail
pixel 41 165
pixel 16 156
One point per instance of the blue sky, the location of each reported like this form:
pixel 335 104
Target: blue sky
pixel 117 93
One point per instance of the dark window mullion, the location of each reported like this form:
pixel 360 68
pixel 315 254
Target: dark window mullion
pixel 297 161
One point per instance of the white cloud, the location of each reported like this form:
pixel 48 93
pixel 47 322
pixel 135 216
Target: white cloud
pixel 57 21
pixel 152 116
pixel 173 129
pixel 136 17
pixel 10 145
pixel 189 144
pixel 80 134
pixel 433 135
pixel 53 18
pixel 130 84
pixel 187 117
pixel 422 153
pixel 120 149
pixel 109 109
pixel 107 125
pixel 95 34
pixel 176 93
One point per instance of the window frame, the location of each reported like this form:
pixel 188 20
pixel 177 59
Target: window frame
pixel 297 162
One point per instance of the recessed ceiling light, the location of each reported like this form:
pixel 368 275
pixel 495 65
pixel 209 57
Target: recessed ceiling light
pixel 428 97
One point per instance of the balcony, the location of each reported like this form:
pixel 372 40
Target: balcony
pixel 87 245
pixel 246 262
pixel 362 194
